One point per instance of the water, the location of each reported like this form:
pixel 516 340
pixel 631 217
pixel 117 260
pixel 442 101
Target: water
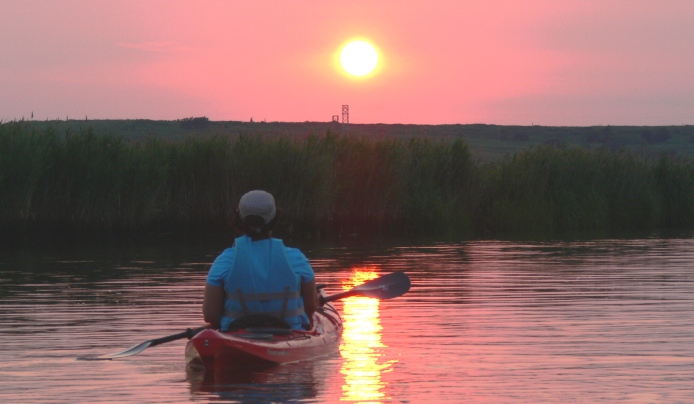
pixel 485 321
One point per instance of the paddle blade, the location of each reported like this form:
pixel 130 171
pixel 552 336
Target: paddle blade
pixel 128 352
pixel 385 287
pixel 189 333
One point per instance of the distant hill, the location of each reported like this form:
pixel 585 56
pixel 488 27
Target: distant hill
pixel 488 142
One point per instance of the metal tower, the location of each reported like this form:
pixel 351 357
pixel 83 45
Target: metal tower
pixel 345 118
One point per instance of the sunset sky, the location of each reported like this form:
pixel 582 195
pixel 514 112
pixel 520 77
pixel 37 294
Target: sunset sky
pixel 542 62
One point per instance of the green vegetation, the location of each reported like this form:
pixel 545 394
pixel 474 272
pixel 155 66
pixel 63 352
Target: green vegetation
pixel 55 179
pixel 486 142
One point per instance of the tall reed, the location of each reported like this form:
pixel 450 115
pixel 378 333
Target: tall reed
pixel 559 189
pixel 331 184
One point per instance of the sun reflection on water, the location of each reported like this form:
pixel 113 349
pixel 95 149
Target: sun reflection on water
pixel 361 345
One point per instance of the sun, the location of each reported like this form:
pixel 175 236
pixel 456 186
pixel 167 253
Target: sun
pixel 359 58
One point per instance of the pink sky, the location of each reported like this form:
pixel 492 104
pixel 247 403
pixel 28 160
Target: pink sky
pixel 546 62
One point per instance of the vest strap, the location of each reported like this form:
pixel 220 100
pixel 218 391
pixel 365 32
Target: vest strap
pixel 285 299
pixel 242 301
pixel 289 313
pixel 254 297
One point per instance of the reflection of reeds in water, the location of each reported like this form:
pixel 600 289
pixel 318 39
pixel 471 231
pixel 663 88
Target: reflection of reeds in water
pixel 361 345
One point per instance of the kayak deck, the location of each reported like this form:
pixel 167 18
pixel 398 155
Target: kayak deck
pixel 262 345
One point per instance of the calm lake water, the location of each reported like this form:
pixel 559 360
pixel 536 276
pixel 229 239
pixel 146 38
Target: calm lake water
pixel 485 321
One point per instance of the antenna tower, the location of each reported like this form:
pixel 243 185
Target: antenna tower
pixel 345 118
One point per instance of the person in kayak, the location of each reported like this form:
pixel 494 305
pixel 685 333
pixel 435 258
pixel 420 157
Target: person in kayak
pixel 259 277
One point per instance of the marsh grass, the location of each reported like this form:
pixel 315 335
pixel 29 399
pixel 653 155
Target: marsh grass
pixel 555 189
pixel 331 184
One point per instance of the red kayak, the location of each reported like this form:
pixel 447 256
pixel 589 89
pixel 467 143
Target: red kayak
pixel 265 345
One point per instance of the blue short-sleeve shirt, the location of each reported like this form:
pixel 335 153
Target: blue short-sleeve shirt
pixel 222 265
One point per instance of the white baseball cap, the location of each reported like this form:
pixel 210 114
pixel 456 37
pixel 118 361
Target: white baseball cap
pixel 257 203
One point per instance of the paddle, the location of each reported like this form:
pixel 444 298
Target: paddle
pixel 189 333
pixel 385 287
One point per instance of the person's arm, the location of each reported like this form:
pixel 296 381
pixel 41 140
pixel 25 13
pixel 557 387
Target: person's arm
pixel 213 304
pixel 310 296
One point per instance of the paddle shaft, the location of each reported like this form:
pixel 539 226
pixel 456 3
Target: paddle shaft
pixel 189 333
pixel 339 296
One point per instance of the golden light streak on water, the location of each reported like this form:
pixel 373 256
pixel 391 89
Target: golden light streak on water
pixel 361 344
